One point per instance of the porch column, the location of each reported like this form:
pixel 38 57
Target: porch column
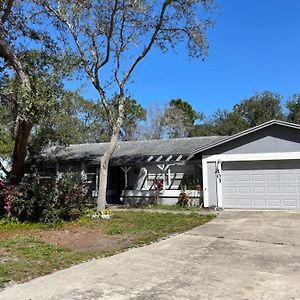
pixel 126 170
pixel 163 169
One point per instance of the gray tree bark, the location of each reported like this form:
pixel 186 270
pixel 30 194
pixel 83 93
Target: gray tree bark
pixel 104 160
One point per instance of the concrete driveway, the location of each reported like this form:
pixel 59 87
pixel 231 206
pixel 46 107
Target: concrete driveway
pixel 239 255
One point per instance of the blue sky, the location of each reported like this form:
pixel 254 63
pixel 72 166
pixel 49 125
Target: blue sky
pixel 254 46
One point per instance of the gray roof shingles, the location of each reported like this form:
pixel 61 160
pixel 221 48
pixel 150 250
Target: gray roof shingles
pixel 132 151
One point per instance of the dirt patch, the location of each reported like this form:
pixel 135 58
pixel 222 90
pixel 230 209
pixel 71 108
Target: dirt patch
pixel 84 239
pixel 4 235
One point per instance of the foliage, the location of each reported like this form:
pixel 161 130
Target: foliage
pixel 248 113
pixel 38 200
pixel 113 37
pixel 179 118
pixel 133 113
pixel 260 108
pixel 183 199
pixel 293 106
pixel 158 184
pixel 174 207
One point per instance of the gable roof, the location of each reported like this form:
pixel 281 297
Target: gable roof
pixel 137 152
pixel 243 133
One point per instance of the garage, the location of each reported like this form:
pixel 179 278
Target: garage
pixel 263 184
pixel 258 168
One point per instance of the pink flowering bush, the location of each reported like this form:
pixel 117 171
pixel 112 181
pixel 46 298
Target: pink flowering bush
pixel 158 184
pixel 50 200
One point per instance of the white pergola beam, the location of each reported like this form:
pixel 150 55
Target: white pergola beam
pixel 179 157
pixel 159 159
pixel 169 158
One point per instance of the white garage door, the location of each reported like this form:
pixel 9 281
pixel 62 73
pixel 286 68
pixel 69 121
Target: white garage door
pixel 274 184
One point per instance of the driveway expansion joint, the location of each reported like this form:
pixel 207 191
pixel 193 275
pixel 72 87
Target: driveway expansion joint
pixel 257 241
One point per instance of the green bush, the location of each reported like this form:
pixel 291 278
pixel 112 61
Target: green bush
pixel 51 200
pixel 183 199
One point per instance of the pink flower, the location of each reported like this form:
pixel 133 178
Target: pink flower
pixel 158 184
pixel 7 207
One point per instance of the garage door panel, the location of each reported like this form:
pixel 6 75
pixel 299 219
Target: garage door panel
pixel 272 177
pixel 245 201
pixel 232 202
pixel 261 184
pixel 290 202
pixel 230 190
pixel 259 202
pixel 229 178
pixel 274 203
pixel 287 177
pixel 258 190
pixel 289 190
pixel 257 177
pixel 243 190
pixel 273 189
pixel 243 177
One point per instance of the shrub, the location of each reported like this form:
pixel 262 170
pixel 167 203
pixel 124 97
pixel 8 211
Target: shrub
pixel 158 185
pixel 51 200
pixel 183 199
pixel 5 198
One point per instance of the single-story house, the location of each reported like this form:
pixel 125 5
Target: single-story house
pixel 135 166
pixel 256 168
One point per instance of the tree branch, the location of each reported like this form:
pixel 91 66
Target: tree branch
pixel 110 33
pixel 12 60
pixel 94 76
pixel 152 40
pixel 7 11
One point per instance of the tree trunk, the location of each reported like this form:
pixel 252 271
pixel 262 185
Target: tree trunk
pixel 23 130
pixel 104 160
pixel 23 126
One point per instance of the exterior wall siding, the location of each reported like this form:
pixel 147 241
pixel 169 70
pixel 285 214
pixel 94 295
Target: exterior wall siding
pixel 268 140
pixel 275 143
pixel 212 184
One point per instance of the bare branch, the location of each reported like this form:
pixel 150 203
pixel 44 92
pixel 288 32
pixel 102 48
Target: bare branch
pixel 7 11
pixel 94 76
pixel 152 40
pixel 110 33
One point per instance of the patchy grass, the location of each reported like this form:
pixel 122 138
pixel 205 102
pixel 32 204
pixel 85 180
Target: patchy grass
pixel 173 207
pixel 25 257
pixel 31 250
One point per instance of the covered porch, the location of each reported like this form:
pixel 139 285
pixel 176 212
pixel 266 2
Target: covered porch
pixel 176 173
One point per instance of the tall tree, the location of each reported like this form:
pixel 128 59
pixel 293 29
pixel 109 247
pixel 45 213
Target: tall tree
pixel 179 118
pixel 28 91
pixel 152 128
pixel 260 108
pixel 112 37
pixel 293 106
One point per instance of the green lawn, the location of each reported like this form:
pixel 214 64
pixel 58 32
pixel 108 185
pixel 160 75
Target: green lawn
pixel 24 254
pixel 174 208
